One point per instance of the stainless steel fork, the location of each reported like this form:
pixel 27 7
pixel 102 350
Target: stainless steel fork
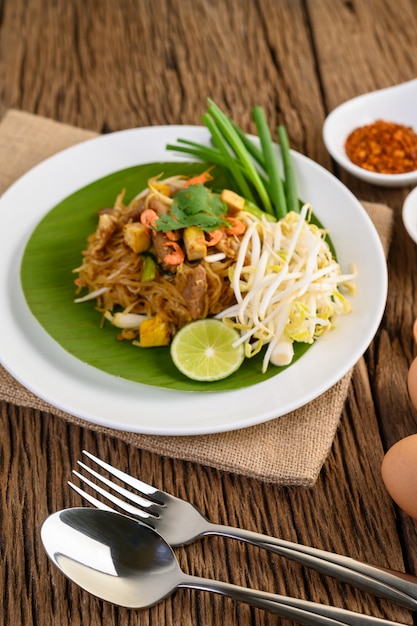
pixel 179 522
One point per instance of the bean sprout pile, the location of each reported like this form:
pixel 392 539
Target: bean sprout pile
pixel 288 286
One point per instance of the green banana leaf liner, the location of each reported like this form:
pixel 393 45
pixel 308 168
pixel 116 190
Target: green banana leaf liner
pixel 54 250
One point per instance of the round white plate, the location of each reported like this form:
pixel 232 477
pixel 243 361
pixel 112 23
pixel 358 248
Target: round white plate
pixel 45 368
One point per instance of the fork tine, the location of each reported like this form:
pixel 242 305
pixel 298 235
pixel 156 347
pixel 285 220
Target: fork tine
pixel 125 506
pixel 91 499
pixel 133 497
pixel 144 488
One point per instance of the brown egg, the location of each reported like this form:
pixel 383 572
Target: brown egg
pixel 399 473
pixel 412 382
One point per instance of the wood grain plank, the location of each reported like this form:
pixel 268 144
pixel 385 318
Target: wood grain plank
pixel 108 65
pixel 301 515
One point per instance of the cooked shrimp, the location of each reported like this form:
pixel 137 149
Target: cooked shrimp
pixel 177 256
pixel 214 237
pixel 149 218
pixel 237 226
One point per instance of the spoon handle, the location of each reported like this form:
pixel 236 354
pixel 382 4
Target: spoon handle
pixel 388 584
pixel 300 611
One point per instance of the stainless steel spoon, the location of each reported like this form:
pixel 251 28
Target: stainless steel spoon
pixel 129 564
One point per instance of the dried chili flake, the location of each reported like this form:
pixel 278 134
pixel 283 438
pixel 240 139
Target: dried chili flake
pixel 383 147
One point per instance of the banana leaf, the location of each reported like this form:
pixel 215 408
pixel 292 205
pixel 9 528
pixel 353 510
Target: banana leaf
pixel 47 278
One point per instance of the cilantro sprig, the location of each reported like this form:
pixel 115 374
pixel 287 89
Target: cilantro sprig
pixel 195 205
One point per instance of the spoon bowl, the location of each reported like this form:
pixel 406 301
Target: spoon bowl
pixel 111 556
pixel 123 561
pixel 396 104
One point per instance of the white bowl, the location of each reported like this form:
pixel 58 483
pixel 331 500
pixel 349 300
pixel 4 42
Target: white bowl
pixel 410 214
pixel 396 104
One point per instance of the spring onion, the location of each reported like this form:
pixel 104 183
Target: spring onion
pixel 253 150
pixel 149 269
pixel 227 130
pixel 230 163
pixel 291 185
pixel 204 153
pixel 254 169
pixel 271 165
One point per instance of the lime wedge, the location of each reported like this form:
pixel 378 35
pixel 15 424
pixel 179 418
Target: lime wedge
pixel 203 350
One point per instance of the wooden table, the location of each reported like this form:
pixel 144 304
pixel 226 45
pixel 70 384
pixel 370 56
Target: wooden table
pixel 105 65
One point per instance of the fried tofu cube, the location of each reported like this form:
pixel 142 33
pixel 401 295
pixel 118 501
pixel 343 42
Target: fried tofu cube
pixel 194 243
pixel 154 332
pixel 137 237
pixel 234 202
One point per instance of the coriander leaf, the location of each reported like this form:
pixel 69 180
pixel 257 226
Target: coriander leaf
pixel 197 198
pixel 194 206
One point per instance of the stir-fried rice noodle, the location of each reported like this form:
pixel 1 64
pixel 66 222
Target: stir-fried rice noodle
pixel 276 282
pixel 112 272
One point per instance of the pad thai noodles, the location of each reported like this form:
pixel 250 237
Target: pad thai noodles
pixel 179 252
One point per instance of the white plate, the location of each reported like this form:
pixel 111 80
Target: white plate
pixel 45 368
pixel 396 104
pixel 410 214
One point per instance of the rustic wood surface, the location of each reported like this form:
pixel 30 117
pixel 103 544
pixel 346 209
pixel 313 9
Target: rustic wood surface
pixel 107 65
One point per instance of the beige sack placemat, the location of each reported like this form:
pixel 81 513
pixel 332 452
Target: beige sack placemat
pixel 289 450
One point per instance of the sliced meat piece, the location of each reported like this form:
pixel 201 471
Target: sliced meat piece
pixel 107 224
pixel 195 291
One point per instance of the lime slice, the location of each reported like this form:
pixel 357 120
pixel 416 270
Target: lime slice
pixel 203 350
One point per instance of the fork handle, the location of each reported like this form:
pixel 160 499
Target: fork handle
pixel 384 583
pixel 298 610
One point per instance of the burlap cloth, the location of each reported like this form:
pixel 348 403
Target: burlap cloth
pixel 289 450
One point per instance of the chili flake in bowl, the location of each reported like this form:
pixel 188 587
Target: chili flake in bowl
pixel 374 136
pixel 384 147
